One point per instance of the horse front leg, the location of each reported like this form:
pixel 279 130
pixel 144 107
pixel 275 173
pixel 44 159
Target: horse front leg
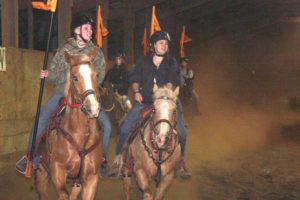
pixel 58 177
pixel 163 185
pixel 127 186
pixel 89 186
pixel 41 180
pixel 144 184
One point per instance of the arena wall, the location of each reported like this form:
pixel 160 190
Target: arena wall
pixel 19 88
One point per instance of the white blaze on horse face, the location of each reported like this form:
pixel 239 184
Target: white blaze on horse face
pixel 163 127
pixel 86 73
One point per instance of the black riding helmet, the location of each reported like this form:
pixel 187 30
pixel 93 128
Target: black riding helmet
pixel 79 20
pixel 159 35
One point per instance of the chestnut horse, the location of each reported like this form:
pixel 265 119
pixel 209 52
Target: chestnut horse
pixel 72 147
pixel 155 152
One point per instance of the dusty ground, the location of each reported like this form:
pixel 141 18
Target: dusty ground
pixel 238 165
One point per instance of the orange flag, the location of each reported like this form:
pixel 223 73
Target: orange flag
pixel 154 22
pixel 145 42
pixel 183 39
pixel 51 5
pixel 101 30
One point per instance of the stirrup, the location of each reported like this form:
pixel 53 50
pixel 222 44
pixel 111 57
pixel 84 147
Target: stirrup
pixel 21 165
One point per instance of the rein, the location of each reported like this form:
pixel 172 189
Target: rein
pixel 151 152
pixel 74 94
pixel 154 147
pixel 82 151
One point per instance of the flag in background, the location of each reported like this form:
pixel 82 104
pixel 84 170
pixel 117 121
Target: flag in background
pixel 183 39
pixel 51 5
pixel 145 42
pixel 101 30
pixel 154 22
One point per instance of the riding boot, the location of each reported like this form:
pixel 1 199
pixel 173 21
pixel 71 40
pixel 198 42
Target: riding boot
pixel 182 172
pixel 104 168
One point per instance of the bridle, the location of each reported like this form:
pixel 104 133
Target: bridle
pixel 79 97
pixel 171 124
pixel 170 143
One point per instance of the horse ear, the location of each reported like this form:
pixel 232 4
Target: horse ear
pixel 67 57
pixel 176 91
pixel 92 54
pixel 155 87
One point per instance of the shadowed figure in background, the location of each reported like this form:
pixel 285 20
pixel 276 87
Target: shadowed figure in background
pixel 188 94
pixel 115 90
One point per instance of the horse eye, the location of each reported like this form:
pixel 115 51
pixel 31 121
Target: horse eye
pixel 74 78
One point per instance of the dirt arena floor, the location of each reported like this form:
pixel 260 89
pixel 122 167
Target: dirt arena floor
pixel 231 157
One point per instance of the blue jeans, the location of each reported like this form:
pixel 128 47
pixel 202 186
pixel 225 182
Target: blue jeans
pixel 104 121
pixel 128 124
pixel 181 131
pixel 133 117
pixel 46 112
pixel 44 117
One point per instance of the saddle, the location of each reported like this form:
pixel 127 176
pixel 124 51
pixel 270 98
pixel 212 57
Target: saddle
pixel 57 114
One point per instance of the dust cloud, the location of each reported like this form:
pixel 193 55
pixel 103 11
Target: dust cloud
pixel 248 88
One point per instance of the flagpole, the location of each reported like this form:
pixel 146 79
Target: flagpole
pixel 42 83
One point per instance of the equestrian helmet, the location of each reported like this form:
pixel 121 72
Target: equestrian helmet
pixel 80 20
pixel 159 35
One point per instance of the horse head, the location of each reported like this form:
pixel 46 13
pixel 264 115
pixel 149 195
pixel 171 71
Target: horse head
pixel 164 114
pixel 81 86
pixel 107 96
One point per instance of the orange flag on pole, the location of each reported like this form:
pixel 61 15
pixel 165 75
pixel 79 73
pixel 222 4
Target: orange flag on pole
pixel 183 39
pixel 50 6
pixel 145 42
pixel 154 22
pixel 101 30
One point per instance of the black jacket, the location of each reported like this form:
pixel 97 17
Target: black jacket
pixel 145 71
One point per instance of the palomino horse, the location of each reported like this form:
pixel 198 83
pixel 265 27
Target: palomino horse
pixel 112 103
pixel 73 149
pixel 155 152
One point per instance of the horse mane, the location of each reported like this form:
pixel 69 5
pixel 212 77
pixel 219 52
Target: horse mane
pixel 67 85
pixel 164 92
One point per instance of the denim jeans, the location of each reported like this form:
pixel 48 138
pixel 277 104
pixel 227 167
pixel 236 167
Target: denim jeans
pixel 46 112
pixel 106 126
pixel 128 124
pixel 133 117
pixel 44 117
pixel 181 131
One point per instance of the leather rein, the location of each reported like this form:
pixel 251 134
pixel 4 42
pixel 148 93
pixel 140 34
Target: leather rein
pixel 154 149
